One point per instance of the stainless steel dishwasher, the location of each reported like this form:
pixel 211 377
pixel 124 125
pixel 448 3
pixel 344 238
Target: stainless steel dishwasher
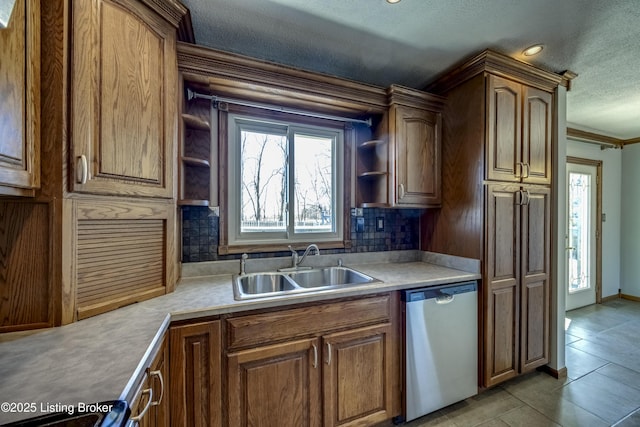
pixel 441 346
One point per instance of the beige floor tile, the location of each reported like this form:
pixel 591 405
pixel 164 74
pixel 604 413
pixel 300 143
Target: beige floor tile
pixel 534 383
pixel 526 416
pixel 621 374
pixel 482 408
pixel 632 420
pixel 602 396
pixel 580 363
pixel 434 419
pixel 553 406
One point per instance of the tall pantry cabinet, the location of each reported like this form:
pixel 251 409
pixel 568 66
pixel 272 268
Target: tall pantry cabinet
pixel 496 202
pixel 106 216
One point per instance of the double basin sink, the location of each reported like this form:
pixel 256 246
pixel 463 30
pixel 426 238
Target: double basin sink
pixel 269 284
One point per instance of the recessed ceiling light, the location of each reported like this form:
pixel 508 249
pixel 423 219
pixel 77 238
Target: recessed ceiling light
pixel 533 50
pixel 393 1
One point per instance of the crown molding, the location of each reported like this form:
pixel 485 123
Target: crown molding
pixel 171 10
pixel 233 75
pixel 597 138
pixel 501 65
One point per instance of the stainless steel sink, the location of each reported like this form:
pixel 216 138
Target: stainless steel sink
pixel 329 276
pixel 269 284
pixel 262 284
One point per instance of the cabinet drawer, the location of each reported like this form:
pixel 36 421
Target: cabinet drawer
pixel 275 326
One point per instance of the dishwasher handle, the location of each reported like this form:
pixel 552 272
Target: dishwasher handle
pixel 444 293
pixel 444 299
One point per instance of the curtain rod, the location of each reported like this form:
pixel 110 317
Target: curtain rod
pixel 213 98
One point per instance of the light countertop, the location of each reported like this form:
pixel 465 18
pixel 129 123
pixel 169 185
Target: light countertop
pixel 101 358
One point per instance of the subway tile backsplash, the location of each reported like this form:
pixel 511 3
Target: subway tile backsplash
pixel 400 231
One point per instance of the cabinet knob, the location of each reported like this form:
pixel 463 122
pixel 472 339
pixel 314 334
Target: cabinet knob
pixel 81 170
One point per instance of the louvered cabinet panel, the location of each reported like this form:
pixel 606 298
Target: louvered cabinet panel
pixel 121 255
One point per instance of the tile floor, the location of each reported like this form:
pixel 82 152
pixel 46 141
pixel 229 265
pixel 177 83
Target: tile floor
pixel 602 387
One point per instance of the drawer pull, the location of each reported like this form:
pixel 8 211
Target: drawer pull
pixel 158 374
pixel 315 356
pixel 81 170
pixel 328 353
pixel 136 420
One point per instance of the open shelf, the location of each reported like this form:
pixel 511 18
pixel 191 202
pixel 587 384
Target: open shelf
pixel 195 122
pixel 373 173
pixel 192 161
pixel 195 155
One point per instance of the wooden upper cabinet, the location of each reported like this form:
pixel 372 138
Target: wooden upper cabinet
pixel 537 116
pixel 416 134
pixel 123 101
pixel 504 130
pixel 519 122
pixel 20 100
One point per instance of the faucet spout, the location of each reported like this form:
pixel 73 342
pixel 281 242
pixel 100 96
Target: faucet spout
pixel 311 247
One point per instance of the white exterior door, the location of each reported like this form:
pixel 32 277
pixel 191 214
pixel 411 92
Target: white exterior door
pixel 581 235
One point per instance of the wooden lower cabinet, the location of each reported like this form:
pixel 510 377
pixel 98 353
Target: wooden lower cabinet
pixel 517 289
pixel 150 405
pixel 343 378
pixel 357 376
pixel 276 385
pixel 195 353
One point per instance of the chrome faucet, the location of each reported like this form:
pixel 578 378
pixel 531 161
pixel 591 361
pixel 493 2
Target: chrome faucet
pixel 296 260
pixel 306 252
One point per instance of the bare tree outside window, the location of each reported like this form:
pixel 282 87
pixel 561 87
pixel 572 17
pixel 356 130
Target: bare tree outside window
pixel 286 182
pixel 263 177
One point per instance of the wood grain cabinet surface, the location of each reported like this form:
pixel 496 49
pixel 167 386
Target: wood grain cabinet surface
pixel 496 187
pixel 319 376
pixel 150 405
pixel 416 136
pixel 20 101
pixel 401 165
pixel 123 99
pixel 196 390
pixel 519 132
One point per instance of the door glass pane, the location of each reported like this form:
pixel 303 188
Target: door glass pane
pixel 579 236
pixel 314 173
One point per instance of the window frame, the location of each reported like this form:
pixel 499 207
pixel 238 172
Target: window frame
pixel 229 243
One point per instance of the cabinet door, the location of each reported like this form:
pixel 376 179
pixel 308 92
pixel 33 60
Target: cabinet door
pixel 123 100
pixel 417 136
pixel 357 372
pixel 141 403
pixel 277 385
pixel 536 136
pixel 159 383
pixel 20 100
pixel 503 147
pixel 195 352
pixel 536 245
pixel 501 287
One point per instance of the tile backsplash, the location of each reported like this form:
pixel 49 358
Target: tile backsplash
pixel 383 230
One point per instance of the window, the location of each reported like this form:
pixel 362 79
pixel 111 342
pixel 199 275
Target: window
pixel 285 182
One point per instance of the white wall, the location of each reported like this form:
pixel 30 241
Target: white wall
pixel 557 338
pixel 630 239
pixel 611 205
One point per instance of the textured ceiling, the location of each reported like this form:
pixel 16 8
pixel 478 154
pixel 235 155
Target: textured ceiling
pixel 411 42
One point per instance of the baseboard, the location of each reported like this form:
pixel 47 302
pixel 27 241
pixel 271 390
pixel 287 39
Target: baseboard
pixel 555 373
pixel 630 297
pixel 610 298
